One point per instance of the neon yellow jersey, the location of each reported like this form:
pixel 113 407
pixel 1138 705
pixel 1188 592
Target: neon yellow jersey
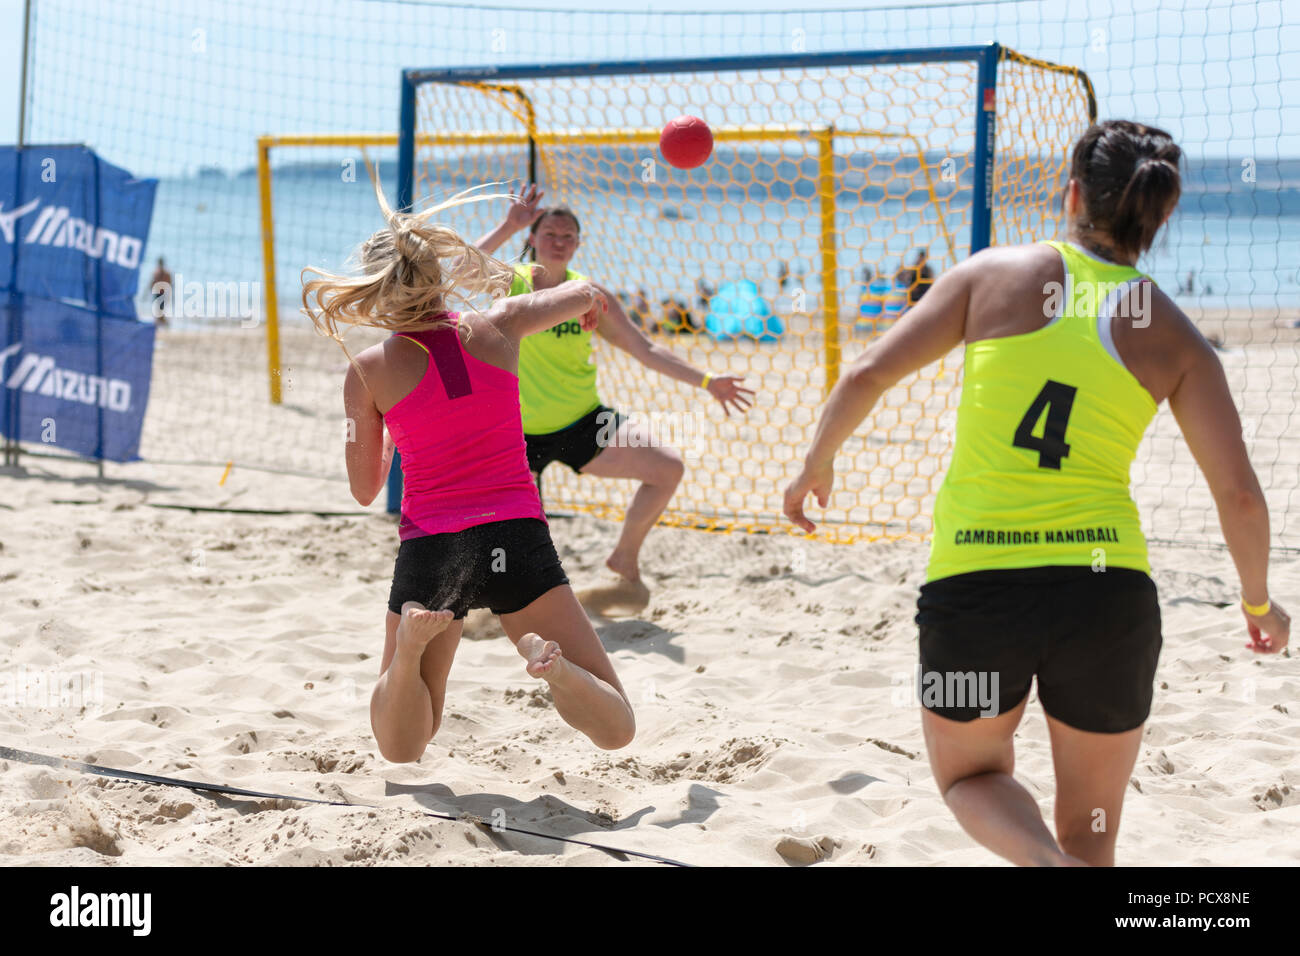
pixel 557 378
pixel 1047 429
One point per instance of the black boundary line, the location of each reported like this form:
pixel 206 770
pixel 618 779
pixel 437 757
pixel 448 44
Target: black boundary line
pixel 257 511
pixel 24 756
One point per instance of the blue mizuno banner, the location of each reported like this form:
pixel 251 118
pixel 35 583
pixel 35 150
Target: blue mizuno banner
pixel 72 227
pixel 74 380
pixel 75 363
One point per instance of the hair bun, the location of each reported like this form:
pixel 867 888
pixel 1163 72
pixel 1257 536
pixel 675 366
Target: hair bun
pixel 1130 181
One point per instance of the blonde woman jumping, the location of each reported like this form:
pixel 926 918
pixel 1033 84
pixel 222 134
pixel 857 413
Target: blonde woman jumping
pixel 472 530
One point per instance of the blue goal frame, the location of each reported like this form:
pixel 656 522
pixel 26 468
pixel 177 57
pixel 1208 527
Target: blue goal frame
pixel 985 56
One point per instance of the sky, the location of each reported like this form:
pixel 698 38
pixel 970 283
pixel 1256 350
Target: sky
pixel 11 22
pixel 11 48
pixel 115 74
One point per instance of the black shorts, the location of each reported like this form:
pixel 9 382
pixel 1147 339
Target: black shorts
pixel 502 565
pixel 1091 638
pixel 575 445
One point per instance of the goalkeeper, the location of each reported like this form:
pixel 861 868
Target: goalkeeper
pixel 564 419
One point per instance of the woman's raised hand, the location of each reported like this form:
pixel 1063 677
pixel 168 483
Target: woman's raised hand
pixel 523 211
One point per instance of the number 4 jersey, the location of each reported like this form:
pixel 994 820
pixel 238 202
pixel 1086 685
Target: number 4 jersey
pixel 1047 429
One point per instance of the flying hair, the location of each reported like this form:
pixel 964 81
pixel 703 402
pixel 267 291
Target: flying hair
pixel 411 272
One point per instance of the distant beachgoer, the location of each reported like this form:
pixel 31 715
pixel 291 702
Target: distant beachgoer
pixel 783 275
pixel 161 288
pixel 641 312
pixel 678 317
pixel 624 296
pixel 704 292
pixel 1189 284
pixel 916 278
pixel 863 288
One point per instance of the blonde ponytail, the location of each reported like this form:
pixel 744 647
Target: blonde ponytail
pixel 411 270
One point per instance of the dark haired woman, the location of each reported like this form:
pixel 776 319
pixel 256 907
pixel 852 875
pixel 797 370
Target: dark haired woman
pixel 1038 566
pixel 565 420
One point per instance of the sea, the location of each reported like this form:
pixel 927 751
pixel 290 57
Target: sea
pixel 1221 249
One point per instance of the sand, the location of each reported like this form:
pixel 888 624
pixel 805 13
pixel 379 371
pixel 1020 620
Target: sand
pixel 771 675
pixel 770 678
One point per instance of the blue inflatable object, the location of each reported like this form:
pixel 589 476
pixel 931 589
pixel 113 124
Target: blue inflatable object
pixel 738 311
pixel 896 304
pixel 881 305
pixel 872 303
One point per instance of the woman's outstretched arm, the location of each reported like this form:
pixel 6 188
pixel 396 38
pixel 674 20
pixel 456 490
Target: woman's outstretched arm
pixel 927 332
pixel 1202 404
pixel 518 316
pixel 620 331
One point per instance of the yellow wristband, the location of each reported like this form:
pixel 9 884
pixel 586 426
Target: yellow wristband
pixel 1257 610
pixel 708 377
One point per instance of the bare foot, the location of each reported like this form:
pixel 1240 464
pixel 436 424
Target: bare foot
pixel 419 626
pixel 626 568
pixel 545 659
pixel 615 598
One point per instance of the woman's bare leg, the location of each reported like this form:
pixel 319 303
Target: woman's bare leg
pixel 1092 775
pixel 555 637
pixel 659 469
pixel 406 706
pixel 972 764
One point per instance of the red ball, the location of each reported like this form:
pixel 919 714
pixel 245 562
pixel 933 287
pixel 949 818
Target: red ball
pixel 686 142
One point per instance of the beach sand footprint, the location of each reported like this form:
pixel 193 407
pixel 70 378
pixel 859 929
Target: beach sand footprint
pixel 801 851
pixel 616 597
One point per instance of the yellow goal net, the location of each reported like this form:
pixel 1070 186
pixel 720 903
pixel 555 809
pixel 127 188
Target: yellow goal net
pixel 839 188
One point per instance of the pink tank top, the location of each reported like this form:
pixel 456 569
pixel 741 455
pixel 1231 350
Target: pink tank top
pixel 461 439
